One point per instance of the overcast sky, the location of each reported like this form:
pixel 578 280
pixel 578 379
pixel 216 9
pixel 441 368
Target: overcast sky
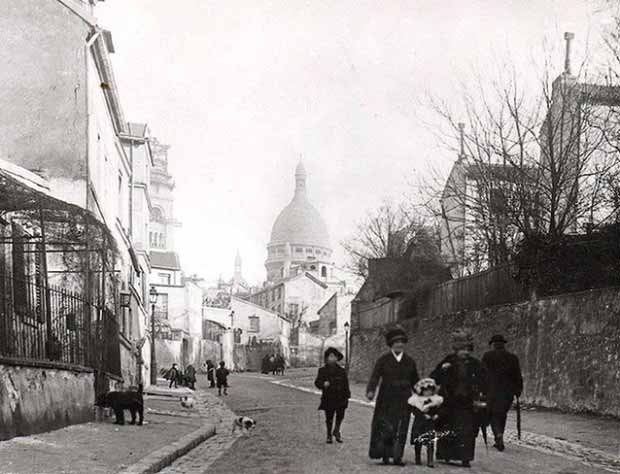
pixel 242 89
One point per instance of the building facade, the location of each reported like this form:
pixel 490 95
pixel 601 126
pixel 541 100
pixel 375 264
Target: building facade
pixel 63 123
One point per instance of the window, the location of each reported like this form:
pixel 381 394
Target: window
pixel 308 250
pixel 164 278
pixel 324 272
pixel 294 309
pixel 299 250
pixel 157 215
pixel 161 307
pixel 254 323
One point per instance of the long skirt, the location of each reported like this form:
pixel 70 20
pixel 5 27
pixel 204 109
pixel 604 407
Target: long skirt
pixel 389 432
pixel 460 443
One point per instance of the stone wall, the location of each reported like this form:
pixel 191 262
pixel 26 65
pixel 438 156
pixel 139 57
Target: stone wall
pixel 569 347
pixel 35 399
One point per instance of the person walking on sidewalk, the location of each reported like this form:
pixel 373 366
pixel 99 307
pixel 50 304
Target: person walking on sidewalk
pixel 333 382
pixel 462 379
pixel 211 374
pixel 221 375
pixel 505 383
pixel 173 376
pixel 390 422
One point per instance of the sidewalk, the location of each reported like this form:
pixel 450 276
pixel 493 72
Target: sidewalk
pixel 103 447
pixel 590 432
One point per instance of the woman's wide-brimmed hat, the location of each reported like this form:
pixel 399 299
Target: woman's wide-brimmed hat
pixel 333 350
pixel 425 384
pixel 394 335
pixel 462 339
pixel 498 338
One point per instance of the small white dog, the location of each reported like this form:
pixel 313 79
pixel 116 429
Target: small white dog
pixel 244 423
pixel 187 402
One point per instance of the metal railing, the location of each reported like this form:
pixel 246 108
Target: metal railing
pixel 48 323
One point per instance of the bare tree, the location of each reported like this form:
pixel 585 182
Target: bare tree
pixel 530 163
pixel 384 232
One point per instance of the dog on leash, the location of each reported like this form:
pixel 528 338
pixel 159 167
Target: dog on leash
pixel 244 423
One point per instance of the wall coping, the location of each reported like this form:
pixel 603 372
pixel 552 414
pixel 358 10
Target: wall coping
pixel 44 364
pixel 574 294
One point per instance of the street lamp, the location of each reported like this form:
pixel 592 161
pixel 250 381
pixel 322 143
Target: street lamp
pixel 153 300
pixel 346 346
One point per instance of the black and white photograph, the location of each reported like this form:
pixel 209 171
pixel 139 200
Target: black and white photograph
pixel 309 236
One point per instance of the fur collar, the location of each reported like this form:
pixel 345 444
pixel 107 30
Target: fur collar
pixel 425 403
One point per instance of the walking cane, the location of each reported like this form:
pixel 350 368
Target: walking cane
pixel 518 418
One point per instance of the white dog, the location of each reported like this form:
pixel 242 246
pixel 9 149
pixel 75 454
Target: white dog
pixel 187 402
pixel 244 423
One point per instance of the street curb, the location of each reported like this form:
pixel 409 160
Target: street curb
pixel 288 384
pixel 165 456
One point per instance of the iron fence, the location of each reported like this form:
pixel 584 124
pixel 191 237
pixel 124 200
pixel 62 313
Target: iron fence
pixel 40 322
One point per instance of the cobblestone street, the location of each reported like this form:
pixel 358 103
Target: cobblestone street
pixel 289 438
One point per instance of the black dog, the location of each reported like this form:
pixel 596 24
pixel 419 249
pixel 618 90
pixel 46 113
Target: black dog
pixel 121 401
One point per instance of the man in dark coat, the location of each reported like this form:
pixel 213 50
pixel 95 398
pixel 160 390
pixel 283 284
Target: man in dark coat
pixel 390 423
pixel 505 383
pixel 173 376
pixel 462 379
pixel 190 377
pixel 333 382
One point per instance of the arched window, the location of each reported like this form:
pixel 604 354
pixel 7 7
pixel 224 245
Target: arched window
pixel 157 215
pixel 324 272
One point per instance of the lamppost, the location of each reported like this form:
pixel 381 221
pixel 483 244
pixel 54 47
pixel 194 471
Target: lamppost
pixel 153 300
pixel 346 346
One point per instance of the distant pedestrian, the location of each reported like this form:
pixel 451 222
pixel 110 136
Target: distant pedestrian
pixel 463 383
pixel 190 377
pixel 505 383
pixel 272 364
pixel 173 376
pixel 280 364
pixel 221 376
pixel 425 404
pixel 211 374
pixel 390 423
pixel 332 380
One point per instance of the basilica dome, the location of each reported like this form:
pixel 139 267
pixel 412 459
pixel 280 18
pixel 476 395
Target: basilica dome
pixel 300 222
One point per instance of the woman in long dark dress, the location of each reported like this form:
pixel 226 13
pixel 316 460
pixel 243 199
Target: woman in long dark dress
pixel 333 382
pixel 390 423
pixel 463 383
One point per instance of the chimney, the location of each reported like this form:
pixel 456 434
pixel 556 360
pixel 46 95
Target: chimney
pixel 568 37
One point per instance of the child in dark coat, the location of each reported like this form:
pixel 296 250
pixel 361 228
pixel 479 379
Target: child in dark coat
pixel 333 382
pixel 221 377
pixel 425 404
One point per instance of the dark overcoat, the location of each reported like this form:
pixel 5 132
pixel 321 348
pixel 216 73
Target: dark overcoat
pixel 504 379
pixel 390 422
pixel 338 393
pixel 461 383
